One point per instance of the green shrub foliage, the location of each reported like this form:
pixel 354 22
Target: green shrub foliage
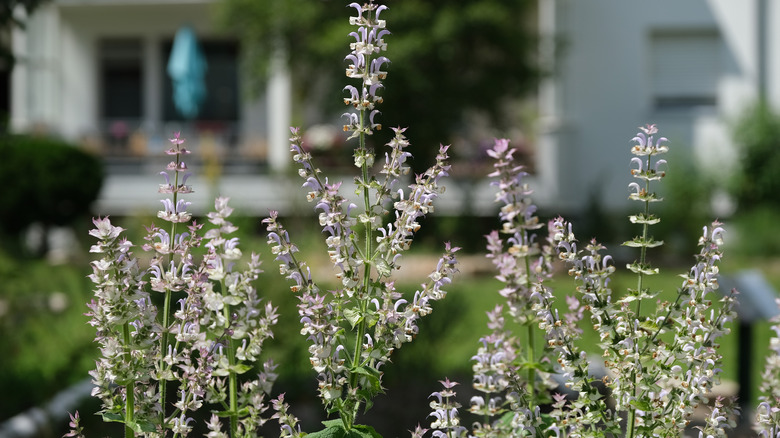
pixel 758 134
pixel 45 180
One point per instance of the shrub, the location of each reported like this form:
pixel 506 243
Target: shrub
pixel 758 135
pixel 46 181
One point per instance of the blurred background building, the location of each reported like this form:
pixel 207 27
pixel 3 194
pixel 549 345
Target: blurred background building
pixel 691 67
pixel 94 72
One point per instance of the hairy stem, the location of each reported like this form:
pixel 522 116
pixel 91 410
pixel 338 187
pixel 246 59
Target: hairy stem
pixel 232 381
pixel 129 392
pixel 167 305
pixel 363 298
pixel 531 340
pixel 630 433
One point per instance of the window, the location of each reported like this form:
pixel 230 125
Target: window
pixel 121 79
pixel 685 68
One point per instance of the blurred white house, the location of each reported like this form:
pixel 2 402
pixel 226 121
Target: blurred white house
pixel 691 67
pixel 94 71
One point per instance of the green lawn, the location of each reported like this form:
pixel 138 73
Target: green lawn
pixel 42 351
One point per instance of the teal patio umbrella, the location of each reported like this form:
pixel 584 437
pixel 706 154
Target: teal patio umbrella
pixel 187 69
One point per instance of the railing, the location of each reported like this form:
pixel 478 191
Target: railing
pixel 130 147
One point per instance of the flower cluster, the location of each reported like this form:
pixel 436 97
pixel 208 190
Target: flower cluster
pixel 656 383
pixel 365 63
pixel 355 328
pixel 364 300
pixel 204 343
pixel 493 376
pixel 446 421
pixel 127 329
pixel 661 363
pixel 768 412
pixel 524 260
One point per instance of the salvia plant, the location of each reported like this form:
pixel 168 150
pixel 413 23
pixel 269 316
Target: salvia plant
pixel 181 328
pixel 658 359
pixel 354 328
pixel 204 338
pixel 768 412
pixel 206 342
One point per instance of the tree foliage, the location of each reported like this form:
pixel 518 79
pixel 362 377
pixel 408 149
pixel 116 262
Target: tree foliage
pixel 9 18
pixel 446 56
pixel 758 135
pixel 46 181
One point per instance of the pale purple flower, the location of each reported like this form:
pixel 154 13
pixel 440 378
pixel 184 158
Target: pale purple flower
pixel 214 329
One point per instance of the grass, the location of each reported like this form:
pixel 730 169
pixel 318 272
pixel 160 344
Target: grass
pixel 42 352
pixel 45 343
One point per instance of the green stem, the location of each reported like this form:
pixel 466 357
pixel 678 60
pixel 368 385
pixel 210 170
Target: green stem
pixel 531 372
pixel 630 433
pixel 631 427
pixel 167 305
pixel 531 339
pixel 642 255
pixel 233 384
pixel 232 376
pixel 130 393
pixel 163 352
pixel 363 298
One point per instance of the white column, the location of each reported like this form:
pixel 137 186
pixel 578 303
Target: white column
pixel 549 123
pixel 773 54
pixel 152 84
pixel 279 114
pixel 43 49
pixel 76 87
pixel 20 82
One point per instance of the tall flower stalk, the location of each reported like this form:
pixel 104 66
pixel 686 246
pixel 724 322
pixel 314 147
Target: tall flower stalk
pixel 204 344
pixel 354 329
pixel 647 170
pixel 661 361
pixel 767 420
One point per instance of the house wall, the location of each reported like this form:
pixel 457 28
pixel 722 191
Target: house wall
pixel 56 86
pixel 606 81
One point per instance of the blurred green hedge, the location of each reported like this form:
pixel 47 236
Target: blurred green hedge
pixel 45 180
pixel 758 135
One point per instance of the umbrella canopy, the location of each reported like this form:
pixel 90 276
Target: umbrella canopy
pixel 187 69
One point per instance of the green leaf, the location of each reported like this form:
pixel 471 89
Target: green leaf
pixel 594 396
pixel 649 325
pixel 330 423
pixel 142 427
pixel 240 368
pixel 526 365
pixel 333 429
pixel 646 269
pixel 642 405
pixel 367 399
pixel 372 318
pixel 642 219
pixel 353 316
pixel 383 268
pixel 113 417
pixel 638 242
pixel 231 300
pixel 240 413
pixel 364 431
pixel 373 378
